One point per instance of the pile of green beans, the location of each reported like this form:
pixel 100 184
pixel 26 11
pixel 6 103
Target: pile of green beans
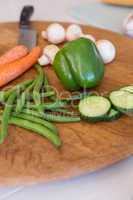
pixel 9 104
pixel 37 128
pixel 34 109
pixel 37 120
pixel 6 93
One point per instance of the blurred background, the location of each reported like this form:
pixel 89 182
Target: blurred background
pixel 83 11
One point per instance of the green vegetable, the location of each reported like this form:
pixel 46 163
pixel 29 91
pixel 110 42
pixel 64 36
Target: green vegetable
pixel 21 101
pixel 122 100
pixel 6 93
pixel 36 120
pixel 51 117
pixel 37 128
pixel 64 111
pixel 94 108
pixel 128 89
pixel 112 115
pixel 6 115
pixel 78 96
pixel 48 87
pixel 38 85
pixel 48 106
pixel 79 65
pixel 48 94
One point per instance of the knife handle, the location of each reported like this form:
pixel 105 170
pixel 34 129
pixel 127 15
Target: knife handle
pixel 26 13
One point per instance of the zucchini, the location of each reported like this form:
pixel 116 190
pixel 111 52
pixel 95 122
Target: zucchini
pixel 128 89
pixel 94 108
pixel 122 100
pixel 112 115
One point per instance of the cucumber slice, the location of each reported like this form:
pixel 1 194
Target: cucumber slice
pixel 94 108
pixel 128 89
pixel 112 115
pixel 122 100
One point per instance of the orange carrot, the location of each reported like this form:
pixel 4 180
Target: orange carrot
pixel 13 54
pixel 9 72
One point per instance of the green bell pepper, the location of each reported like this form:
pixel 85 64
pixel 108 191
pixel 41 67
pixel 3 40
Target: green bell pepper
pixel 79 65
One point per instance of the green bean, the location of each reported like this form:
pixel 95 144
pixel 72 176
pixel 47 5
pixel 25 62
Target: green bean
pixel 6 115
pixel 46 83
pixel 48 106
pixel 60 110
pixel 38 85
pixel 2 96
pixel 37 120
pixel 28 104
pixel 51 117
pixel 5 94
pixel 37 128
pixel 21 101
pixel 47 94
pixel 78 97
pixel 48 88
pixel 60 118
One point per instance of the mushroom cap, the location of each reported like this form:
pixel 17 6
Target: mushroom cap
pixel 73 32
pixel 55 33
pixel 107 50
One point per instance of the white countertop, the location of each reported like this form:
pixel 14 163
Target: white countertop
pixel 112 183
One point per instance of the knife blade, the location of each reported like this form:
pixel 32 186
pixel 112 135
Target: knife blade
pixel 27 35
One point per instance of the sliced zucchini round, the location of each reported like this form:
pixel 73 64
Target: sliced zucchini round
pixel 94 108
pixel 122 100
pixel 112 115
pixel 128 89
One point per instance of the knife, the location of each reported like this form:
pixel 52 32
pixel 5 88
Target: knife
pixel 27 36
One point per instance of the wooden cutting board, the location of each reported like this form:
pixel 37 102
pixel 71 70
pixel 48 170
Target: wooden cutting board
pixel 119 2
pixel 28 158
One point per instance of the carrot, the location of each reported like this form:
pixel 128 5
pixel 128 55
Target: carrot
pixel 13 54
pixel 9 72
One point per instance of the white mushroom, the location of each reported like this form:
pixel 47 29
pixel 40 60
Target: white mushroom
pixel 73 32
pixel 44 35
pixel 88 36
pixel 43 60
pixel 55 33
pixel 50 51
pixel 107 50
pixel 128 25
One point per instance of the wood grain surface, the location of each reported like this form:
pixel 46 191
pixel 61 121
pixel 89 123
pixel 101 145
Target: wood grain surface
pixel 28 158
